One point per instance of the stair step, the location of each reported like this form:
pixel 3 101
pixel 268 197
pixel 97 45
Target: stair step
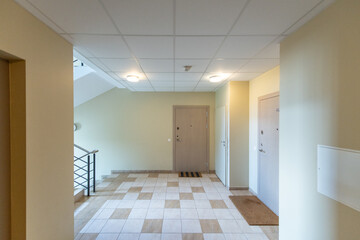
pixel 78 194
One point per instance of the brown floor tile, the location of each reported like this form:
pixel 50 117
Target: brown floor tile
pixel 173 184
pixel 153 175
pixel 218 204
pixel 121 213
pixel 210 226
pixel 135 189
pixel 152 226
pixel 145 196
pixel 192 236
pixel 186 196
pixel 89 236
pixel 197 189
pixel 172 204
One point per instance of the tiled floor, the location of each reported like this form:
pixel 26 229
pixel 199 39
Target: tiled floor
pixel 163 207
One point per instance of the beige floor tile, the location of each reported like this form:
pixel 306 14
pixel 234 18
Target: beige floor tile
pixel 272 236
pixel 192 236
pixel 186 196
pixel 218 204
pixel 215 179
pixel 130 179
pixel 145 196
pixel 89 236
pixel 153 175
pixel 135 189
pixel 210 226
pixel 197 189
pixel 173 184
pixel 121 213
pixel 152 226
pixel 172 204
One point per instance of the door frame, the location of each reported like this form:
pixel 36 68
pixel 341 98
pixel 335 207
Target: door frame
pixel 261 98
pixel 207 108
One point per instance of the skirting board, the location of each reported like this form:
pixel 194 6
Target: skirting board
pixel 238 188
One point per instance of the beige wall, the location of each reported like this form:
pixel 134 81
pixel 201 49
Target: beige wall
pixel 265 84
pixel 48 123
pixel 239 134
pixel 4 150
pixel 131 129
pixel 235 95
pixel 319 84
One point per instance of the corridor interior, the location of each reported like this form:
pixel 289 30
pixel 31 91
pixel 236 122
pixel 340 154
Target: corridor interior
pixel 163 206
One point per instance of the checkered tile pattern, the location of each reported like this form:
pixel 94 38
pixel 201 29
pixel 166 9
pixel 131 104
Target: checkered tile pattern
pixel 163 206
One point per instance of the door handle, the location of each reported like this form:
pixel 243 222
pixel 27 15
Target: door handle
pixel 178 139
pixel 261 150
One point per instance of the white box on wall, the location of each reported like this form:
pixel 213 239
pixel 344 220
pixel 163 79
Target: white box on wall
pixel 339 175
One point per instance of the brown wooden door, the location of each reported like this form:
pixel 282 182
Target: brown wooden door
pixel 4 151
pixel 191 138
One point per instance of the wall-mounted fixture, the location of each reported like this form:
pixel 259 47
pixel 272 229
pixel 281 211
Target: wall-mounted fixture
pixel 132 78
pixel 187 68
pixel 75 127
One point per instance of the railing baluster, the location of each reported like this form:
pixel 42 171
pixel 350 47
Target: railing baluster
pixel 88 173
pixel 94 180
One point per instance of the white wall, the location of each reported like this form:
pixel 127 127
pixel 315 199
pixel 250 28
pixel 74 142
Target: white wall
pixel 265 84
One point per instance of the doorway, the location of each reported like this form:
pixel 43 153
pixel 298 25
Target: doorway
pixel 268 146
pixel 220 144
pixel 5 150
pixel 191 138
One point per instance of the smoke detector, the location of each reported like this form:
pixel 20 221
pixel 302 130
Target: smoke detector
pixel 187 68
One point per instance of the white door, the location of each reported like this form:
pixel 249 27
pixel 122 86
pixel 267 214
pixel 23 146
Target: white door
pixel 220 145
pixel 269 152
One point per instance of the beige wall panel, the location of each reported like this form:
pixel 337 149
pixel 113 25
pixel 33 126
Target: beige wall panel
pixel 49 118
pixel 319 102
pixel 131 129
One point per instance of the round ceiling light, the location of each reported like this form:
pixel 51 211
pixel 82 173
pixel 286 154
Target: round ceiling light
pixel 132 78
pixel 216 78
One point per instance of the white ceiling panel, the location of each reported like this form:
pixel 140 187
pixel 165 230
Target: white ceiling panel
pixel 157 65
pixel 260 65
pixel 198 65
pixel 160 77
pixel 142 84
pixel 80 16
pixel 271 17
pixel 102 46
pixel 184 77
pixel 243 76
pixel 271 51
pixel 142 16
pixel 151 47
pixel 186 84
pixel 201 17
pixel 123 75
pixel 226 65
pixel 197 47
pixel 243 46
pixel 162 84
pixel 127 65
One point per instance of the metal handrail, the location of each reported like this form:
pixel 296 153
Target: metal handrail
pixel 83 173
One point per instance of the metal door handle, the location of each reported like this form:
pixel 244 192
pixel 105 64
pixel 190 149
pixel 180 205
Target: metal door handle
pixel 178 139
pixel 261 150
